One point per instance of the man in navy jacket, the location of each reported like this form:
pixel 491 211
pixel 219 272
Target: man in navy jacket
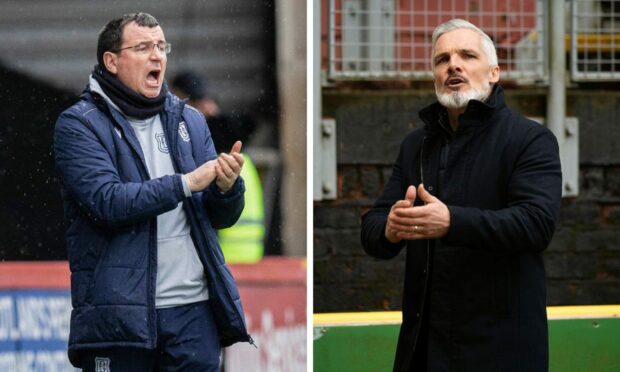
pixel 143 191
pixel 473 197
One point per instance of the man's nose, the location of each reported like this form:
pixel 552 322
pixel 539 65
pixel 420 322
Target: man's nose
pixel 455 63
pixel 157 54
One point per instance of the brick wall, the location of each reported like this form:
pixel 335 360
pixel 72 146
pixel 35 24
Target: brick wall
pixel 583 260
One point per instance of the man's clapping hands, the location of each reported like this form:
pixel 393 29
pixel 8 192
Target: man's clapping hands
pixel 224 170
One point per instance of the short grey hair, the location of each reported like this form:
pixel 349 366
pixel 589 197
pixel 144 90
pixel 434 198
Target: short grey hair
pixel 111 35
pixel 454 24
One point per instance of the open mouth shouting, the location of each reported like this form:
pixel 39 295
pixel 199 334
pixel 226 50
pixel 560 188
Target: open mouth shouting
pixel 455 82
pixel 152 78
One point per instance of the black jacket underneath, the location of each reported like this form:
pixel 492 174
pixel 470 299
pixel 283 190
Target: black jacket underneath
pixel 502 185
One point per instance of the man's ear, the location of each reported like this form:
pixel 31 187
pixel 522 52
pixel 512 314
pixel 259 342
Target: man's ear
pixel 110 61
pixel 494 75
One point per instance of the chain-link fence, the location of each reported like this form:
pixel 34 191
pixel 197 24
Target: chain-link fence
pixel 595 42
pixel 391 39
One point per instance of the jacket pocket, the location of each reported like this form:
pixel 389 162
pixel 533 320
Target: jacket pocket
pixel 119 286
pixel 93 280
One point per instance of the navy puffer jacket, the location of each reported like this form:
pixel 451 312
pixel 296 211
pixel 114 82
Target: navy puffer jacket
pixel 111 207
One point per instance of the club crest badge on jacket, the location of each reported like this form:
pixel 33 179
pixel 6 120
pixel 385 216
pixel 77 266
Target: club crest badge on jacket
pixel 183 131
pixel 162 146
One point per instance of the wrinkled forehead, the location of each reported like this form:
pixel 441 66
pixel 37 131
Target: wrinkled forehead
pixel 459 40
pixel 134 33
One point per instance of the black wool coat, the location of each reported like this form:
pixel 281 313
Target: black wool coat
pixel 501 181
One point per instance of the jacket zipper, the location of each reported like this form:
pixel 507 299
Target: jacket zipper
pixel 152 270
pixel 151 286
pixel 428 253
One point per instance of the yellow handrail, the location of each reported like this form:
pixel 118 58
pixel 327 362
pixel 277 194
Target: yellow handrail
pixel 395 317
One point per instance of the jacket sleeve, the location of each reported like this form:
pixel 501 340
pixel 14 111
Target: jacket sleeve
pixel 373 222
pixel 534 194
pixel 87 172
pixel 223 209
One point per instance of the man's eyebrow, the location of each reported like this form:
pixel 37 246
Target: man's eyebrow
pixel 459 51
pixel 468 51
pixel 151 41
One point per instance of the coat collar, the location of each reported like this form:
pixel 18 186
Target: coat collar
pixel 173 105
pixel 476 113
pixel 169 115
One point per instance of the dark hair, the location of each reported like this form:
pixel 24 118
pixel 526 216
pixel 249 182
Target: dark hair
pixel 111 35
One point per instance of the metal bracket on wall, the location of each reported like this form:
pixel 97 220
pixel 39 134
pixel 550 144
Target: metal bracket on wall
pixel 569 156
pixel 325 172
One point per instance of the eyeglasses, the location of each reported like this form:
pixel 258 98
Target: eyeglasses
pixel 147 47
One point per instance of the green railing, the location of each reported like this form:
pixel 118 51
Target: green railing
pixel 581 338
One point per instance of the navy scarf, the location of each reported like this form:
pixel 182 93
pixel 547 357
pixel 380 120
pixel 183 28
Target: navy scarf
pixel 129 101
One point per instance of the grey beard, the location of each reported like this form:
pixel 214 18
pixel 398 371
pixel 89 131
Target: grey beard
pixel 457 100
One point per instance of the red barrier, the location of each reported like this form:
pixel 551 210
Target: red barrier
pixel 273 293
pixel 55 274
pixel 34 275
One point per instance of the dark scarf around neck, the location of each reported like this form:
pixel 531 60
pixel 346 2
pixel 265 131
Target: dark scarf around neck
pixel 129 101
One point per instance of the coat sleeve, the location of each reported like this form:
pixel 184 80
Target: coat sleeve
pixel 373 222
pixel 223 209
pixel 88 174
pixel 534 195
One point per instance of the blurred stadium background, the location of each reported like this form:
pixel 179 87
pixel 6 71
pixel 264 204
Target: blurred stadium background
pixel 254 57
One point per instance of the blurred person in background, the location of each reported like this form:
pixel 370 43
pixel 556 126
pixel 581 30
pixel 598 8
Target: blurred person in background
pixel 143 192
pixel 243 242
pixel 474 197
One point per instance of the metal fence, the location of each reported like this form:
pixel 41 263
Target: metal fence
pixel 391 39
pixel 595 42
